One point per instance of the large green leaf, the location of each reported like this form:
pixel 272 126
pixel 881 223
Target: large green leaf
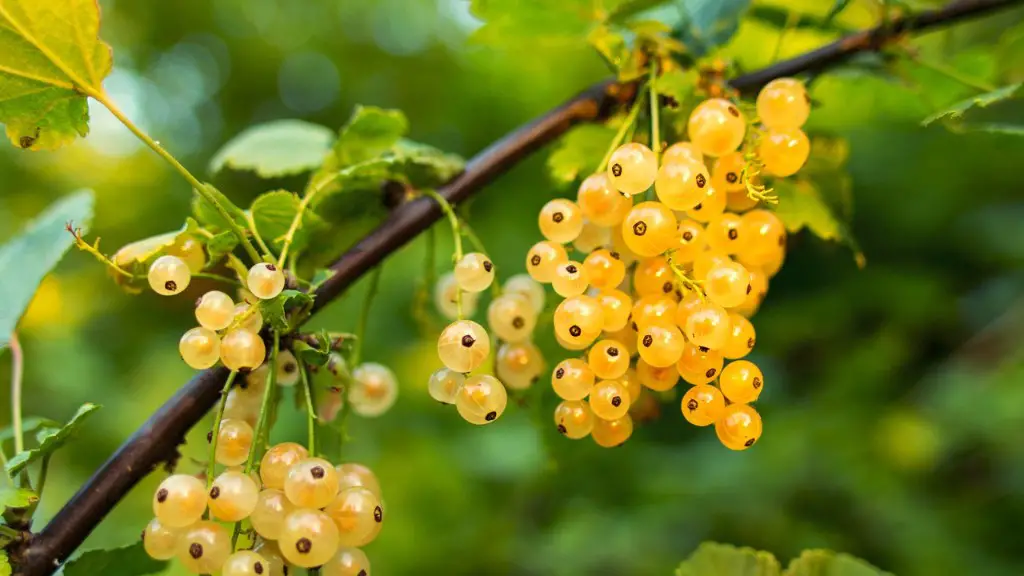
pixel 50 56
pixel 956 112
pixel 579 152
pixel 50 440
pixel 368 133
pixel 127 561
pixel 275 149
pixel 273 214
pixel 712 559
pixel 30 256
pixel 710 23
pixel 826 563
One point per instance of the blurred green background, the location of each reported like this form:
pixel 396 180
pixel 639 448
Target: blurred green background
pixel 895 394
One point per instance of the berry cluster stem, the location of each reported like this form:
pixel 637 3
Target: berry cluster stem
pixel 686 281
pixel 628 123
pixel 17 372
pixel 268 395
pixel 453 219
pixel 215 431
pixel 655 112
pixel 289 237
pixel 307 391
pixel 364 315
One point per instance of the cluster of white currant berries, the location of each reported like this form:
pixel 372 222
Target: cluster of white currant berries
pixel 305 512
pixel 675 280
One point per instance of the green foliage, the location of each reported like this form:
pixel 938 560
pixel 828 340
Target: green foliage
pixel 273 214
pixel 275 149
pixel 208 215
pixel 28 426
pixel 955 117
pixel 30 256
pixel 539 21
pixel 275 311
pixel 50 440
pixel 221 245
pixel 579 152
pixel 708 24
pixel 370 132
pixel 47 64
pixel 125 561
pixel 802 206
pixel 5 564
pixel 17 498
pixel 713 559
pixel 826 563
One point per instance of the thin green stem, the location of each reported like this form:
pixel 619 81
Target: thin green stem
pixel 627 123
pixel 952 73
pixel 256 235
pixel 307 390
pixel 289 237
pixel 364 315
pixel 211 276
pixel 44 468
pixel 478 245
pixel 686 281
pixel 17 372
pixel 201 188
pixel 655 112
pixel 268 395
pixel 215 431
pixel 792 17
pixel 453 219
pixel 9 533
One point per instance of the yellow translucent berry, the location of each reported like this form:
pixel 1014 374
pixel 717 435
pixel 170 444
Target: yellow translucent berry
pixel 758 290
pixel 572 346
pixel 234 439
pixel 560 220
pixel 574 419
pixel 653 308
pixel 528 288
pixel 347 561
pixel 463 345
pixel 609 400
pixel 245 563
pixel 620 247
pixel 626 336
pixel 608 359
pixel 632 168
pixel 682 152
pixel 604 269
pixel 474 272
pixel 784 151
pixel 267 517
pixel 446 298
pixel 373 391
pixel 741 382
pixel 511 317
pixel 160 541
pixel 354 474
pixel 169 275
pixel 688 305
pixel 660 343
pixel 270 551
pixel 570 279
pixel 518 365
pixel 265 281
pixel 203 547
pixel 612 433
pixel 592 237
pixel 691 241
pixel 717 127
pixel 739 426
pixel 199 348
pixel 711 206
pixel 708 326
pixel 699 366
pixel 654 276
pixel 702 405
pixel 615 308
pixel 739 201
pixel 190 251
pixel 240 405
pixel 443 385
pixel 649 229
pixel 233 496
pixel 311 483
pixel 772 267
pixel 253 320
pixel 707 260
pixel 727 234
pixel 783 103
pixel 356 511
pixel 681 185
pixel 741 338
pixel 481 400
pixel 543 258
pixel 600 202
pixel 728 172
pixel 179 501
pixel 287 369
pixel 278 461
pixel 242 349
pixel 631 382
pixel 656 378
pixel 309 538
pixel 727 284
pixel 572 379
pixel 215 310
pixel 579 320
pixel 766 237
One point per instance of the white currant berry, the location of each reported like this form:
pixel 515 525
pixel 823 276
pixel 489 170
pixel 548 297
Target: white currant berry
pixel 278 461
pixel 481 400
pixel 444 383
pixel 311 483
pixel 356 512
pixel 245 563
pixel 463 346
pixel 518 365
pixel 374 389
pixel 253 320
pixel 265 281
pixel 169 275
pixel 474 272
pixel 529 288
pixel 347 561
pixel 309 538
pixel 267 517
pixel 287 369
pixel 270 551
pixel 233 442
pixel 446 298
pixel 353 474
pixel 511 317
pixel 632 168
pixel 242 349
pixel 180 500
pixel 204 547
pixel 159 540
pixel 233 496
pixel 199 348
pixel 215 310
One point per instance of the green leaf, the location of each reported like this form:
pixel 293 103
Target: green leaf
pixel 273 213
pixel 958 110
pixel 801 206
pixel 368 133
pixel 712 559
pixel 311 355
pixel 145 250
pixel 321 275
pixel 276 149
pixel 837 7
pixel 208 215
pixel 275 311
pixel 28 426
pixel 516 22
pixel 50 57
pixel 221 245
pixel 579 152
pixel 782 18
pixel 710 23
pixel 5 564
pixel 50 441
pixel 826 563
pixel 18 498
pixel 29 256
pixel 126 561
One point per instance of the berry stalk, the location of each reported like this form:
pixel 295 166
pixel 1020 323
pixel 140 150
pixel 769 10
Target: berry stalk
pixel 453 219
pixel 268 395
pixel 215 432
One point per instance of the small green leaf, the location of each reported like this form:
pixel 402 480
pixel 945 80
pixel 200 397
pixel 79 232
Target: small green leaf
pixel 276 149
pixel 710 23
pixel 801 206
pixel 712 559
pixel 958 110
pixel 51 441
pixel 424 166
pixel 370 132
pixel 28 426
pixel 309 354
pixel 321 275
pixel 826 563
pixel 221 245
pixel 18 498
pixel 275 311
pixel 50 54
pixel 273 214
pixel 618 48
pixel 579 152
pixel 5 564
pixel 837 7
pixel 518 22
pixel 126 561
pixel 208 215
pixel 29 256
